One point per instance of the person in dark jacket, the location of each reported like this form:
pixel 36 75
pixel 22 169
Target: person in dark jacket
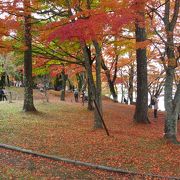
pixel 76 94
pixel 4 95
pixel 1 94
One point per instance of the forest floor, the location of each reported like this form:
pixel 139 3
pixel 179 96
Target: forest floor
pixel 66 129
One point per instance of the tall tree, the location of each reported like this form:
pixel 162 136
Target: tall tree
pixel 109 65
pixel 28 81
pixel 98 95
pixel 172 105
pixel 130 83
pixel 141 110
pixel 167 13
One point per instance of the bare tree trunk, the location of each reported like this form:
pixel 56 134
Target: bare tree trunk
pixel 110 81
pixel 122 93
pixel 172 105
pixel 87 57
pixel 10 97
pixel 28 82
pixel 98 122
pixel 64 79
pixel 90 99
pixel 45 88
pixel 112 90
pixel 141 111
pixel 131 79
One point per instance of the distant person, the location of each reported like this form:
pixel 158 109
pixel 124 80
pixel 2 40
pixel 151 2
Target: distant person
pixel 41 87
pixel 1 94
pixel 4 95
pixel 76 94
pixel 85 96
pixel 125 100
pixel 155 101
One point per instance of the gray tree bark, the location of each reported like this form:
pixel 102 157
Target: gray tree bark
pixel 172 105
pixel 131 87
pixel 90 99
pixel 94 95
pixel 28 81
pixel 98 97
pixel 64 79
pixel 141 111
pixel 109 80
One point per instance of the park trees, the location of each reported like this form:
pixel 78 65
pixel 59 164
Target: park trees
pixel 28 82
pixel 172 104
pixel 17 12
pixel 141 58
pixel 68 33
pixel 82 26
pixel 95 90
pixel 167 14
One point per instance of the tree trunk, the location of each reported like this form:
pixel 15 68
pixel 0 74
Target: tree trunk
pixel 112 90
pixel 110 82
pixel 131 79
pixel 98 122
pixel 64 79
pixel 141 111
pixel 28 82
pixel 88 65
pixel 10 97
pixel 90 99
pixel 80 81
pixel 45 82
pixel 172 107
pixel 122 93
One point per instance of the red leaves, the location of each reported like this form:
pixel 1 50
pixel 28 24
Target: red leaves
pixel 70 70
pixel 93 26
pixel 82 29
pixel 65 129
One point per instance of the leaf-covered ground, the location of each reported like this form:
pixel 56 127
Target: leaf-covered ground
pixel 66 129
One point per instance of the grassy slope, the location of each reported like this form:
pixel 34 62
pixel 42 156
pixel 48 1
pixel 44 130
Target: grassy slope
pixel 66 129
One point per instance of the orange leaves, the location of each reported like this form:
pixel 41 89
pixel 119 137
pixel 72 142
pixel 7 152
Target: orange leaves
pixel 5 46
pixel 73 69
pixel 65 129
pixel 142 45
pixel 39 61
pixel 125 61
